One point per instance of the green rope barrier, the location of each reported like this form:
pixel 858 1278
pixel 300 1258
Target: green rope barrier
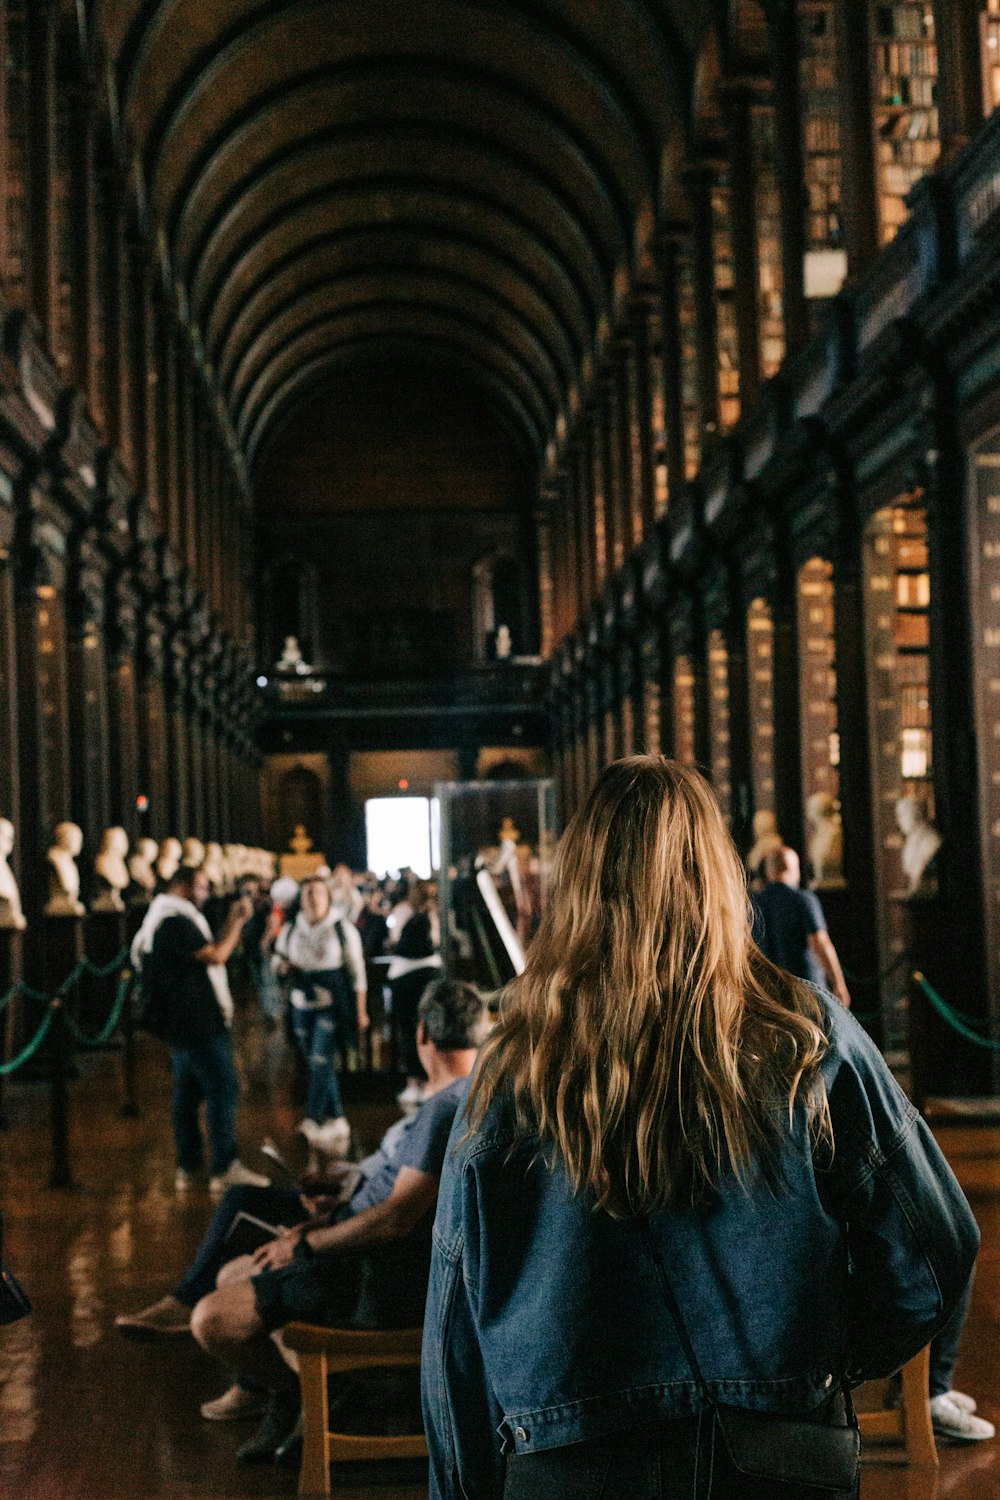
pixel 104 971
pixel 98 1038
pixel 962 1024
pixel 32 1047
pixel 25 992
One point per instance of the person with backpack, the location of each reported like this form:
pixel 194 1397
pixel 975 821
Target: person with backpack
pixel 321 956
pixel 185 1000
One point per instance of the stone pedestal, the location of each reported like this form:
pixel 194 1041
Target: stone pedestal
pixel 106 934
pixel 11 971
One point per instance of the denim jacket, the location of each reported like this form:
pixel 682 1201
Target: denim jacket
pixel 546 1322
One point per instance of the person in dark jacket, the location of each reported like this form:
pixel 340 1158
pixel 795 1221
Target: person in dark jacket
pixel 660 1107
pixel 415 962
pixel 790 928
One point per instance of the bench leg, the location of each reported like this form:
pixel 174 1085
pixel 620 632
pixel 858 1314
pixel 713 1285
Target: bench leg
pixel 314 1475
pixel 921 1449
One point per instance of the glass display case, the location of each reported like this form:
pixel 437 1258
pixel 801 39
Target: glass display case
pixel 497 842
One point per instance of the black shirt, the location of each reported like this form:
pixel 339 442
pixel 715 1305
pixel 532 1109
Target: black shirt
pixel 191 1011
pixel 784 920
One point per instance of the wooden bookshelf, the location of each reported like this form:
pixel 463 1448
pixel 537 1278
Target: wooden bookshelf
pixel 989 24
pixel 718 721
pixel 767 213
pixel 984 557
pixel 760 665
pixel 818 680
pixel 685 734
pixel 820 102
pixel 907 137
pixel 727 335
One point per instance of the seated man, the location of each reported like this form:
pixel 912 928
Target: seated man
pixel 369 1266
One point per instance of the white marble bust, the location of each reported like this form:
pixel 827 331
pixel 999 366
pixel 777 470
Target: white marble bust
pixel 111 870
pixel 824 839
pixel 192 854
pixel 11 915
pixel 214 865
pixel 921 842
pixel 142 870
pixel 64 877
pixel 168 860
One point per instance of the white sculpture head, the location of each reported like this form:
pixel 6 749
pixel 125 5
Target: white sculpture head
pixel 69 838
pixel 765 824
pixel 147 849
pixel 6 837
pixel 907 814
pixel 114 841
pixel 821 807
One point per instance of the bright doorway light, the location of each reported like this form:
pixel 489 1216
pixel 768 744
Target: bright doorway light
pixel 399 834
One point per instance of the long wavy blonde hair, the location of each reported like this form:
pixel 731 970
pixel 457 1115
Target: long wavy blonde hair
pixel 649 1044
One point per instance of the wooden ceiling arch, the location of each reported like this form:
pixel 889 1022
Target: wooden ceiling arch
pixel 318 168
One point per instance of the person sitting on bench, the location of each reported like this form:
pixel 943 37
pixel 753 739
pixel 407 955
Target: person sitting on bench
pixel 369 1266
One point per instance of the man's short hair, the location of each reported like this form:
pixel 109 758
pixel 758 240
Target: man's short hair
pixel 452 1013
pixel 184 874
pixel 778 861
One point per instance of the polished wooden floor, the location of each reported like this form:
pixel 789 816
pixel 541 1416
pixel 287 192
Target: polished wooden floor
pixel 84 1416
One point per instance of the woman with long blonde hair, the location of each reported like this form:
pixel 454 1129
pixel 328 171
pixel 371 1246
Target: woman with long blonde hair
pixel 674 1212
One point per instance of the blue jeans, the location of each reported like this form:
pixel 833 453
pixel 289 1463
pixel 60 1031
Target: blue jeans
pixel 275 1205
pixel 205 1073
pixel 268 990
pixel 316 1034
pixel 944 1346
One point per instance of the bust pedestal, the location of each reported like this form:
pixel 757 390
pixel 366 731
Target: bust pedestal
pixel 11 971
pixel 106 934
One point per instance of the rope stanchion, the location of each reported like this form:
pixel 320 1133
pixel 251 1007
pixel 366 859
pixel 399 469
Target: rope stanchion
pixel 98 1038
pixel 963 1025
pixel 29 1050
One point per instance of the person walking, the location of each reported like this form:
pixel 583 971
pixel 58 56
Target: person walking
pixel 790 928
pixel 414 963
pixel 320 954
pixel 685 1206
pixel 183 974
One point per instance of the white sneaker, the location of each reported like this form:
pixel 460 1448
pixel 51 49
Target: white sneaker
pixel 234 1405
pixel 184 1181
pixel 308 1128
pixel 956 1425
pixel 334 1137
pixel 237 1175
pixel 961 1400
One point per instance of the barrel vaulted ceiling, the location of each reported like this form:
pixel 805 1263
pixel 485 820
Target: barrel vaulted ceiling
pixel 333 179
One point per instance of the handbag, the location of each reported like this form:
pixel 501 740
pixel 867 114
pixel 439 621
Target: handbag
pixel 767 1454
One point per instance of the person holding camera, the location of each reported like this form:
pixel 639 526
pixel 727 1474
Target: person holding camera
pixel 183 975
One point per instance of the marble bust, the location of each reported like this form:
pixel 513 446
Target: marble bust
pixel 142 871
pixel 824 839
pixel 111 870
pixel 192 854
pixel 214 865
pixel 168 860
pixel 921 842
pixel 64 877
pixel 11 915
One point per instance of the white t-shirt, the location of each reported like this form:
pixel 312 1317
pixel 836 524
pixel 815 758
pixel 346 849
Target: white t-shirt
pixel 314 947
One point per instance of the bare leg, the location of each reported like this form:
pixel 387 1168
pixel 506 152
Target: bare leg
pixel 227 1326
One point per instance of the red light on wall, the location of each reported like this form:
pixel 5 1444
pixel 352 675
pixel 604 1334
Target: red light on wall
pixel 142 803
pixel 404 785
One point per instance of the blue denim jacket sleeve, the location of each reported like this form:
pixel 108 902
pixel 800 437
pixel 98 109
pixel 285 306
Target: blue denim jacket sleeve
pixel 463 1441
pixel 911 1235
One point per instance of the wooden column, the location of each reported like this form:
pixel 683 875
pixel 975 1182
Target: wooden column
pixel 961 105
pixel 196 749
pixel 123 700
pixel 580 493
pixel 147 378
pixel 786 696
pixel 178 763
pixel 90 778
pixel 673 375
pixel 87 302
pixel 857 134
pixel 42 21
pixel 739 95
pixel 639 386
pixel 10 799
pixel 153 725
pixel 698 180
pixel 610 477
pixel 783 49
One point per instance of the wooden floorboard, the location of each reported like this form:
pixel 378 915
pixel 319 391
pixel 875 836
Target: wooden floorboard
pixel 84 1416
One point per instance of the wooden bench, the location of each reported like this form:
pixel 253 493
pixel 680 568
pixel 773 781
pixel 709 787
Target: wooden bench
pixel 323 1352
pixel 910 1422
